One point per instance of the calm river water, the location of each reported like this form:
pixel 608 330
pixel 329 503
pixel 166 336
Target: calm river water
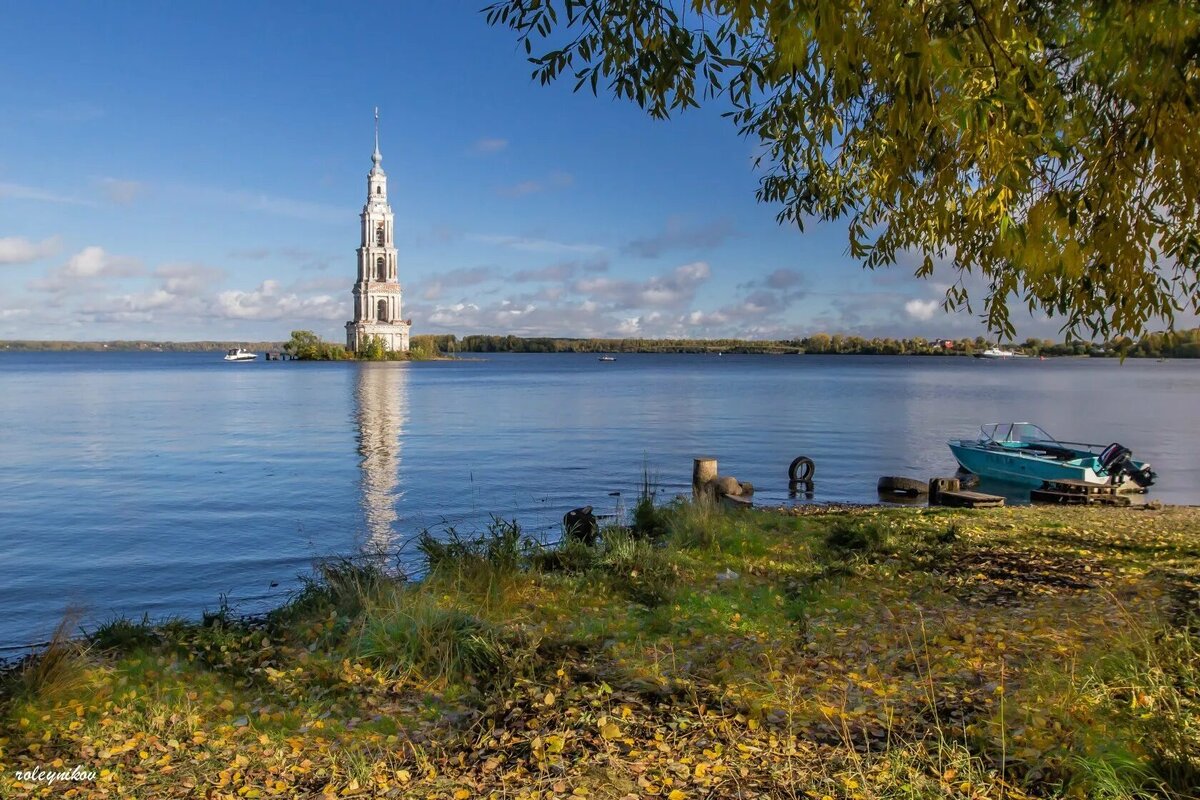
pixel 155 483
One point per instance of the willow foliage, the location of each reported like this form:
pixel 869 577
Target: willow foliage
pixel 1050 147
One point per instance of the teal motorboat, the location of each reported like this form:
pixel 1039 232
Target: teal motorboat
pixel 1023 453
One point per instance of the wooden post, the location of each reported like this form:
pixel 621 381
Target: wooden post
pixel 704 469
pixel 939 485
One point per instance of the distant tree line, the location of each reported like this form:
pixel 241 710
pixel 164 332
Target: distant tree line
pixel 306 345
pixel 36 345
pixel 1182 344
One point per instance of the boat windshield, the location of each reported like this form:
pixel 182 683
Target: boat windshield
pixel 1016 433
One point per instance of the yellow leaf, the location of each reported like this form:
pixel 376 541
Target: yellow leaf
pixel 462 794
pixel 549 698
pixel 676 794
pixel 226 705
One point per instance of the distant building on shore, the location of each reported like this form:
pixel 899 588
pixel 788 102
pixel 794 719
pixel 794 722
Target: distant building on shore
pixel 377 292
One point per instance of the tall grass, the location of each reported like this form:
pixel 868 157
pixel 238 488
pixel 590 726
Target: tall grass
pixel 55 671
pixel 417 635
pixel 1151 686
pixel 501 549
pixel 638 569
pixel 342 585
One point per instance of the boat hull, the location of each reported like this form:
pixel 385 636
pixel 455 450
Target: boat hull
pixel 1026 470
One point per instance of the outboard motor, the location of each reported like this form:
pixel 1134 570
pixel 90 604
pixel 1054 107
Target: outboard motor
pixel 1117 460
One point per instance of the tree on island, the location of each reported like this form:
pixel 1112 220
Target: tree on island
pixel 373 350
pixel 1050 147
pixel 307 346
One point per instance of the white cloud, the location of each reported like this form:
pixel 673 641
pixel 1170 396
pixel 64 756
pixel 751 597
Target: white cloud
pixel 19 250
pixel 488 145
pixel 187 279
pixel 89 265
pixel 121 192
pixel 535 245
pixel 561 271
pixel 270 302
pixel 555 180
pixel 784 278
pixel 18 191
pixel 675 288
pixel 921 309
pixel 679 235
pixel 456 278
pixel 92 262
pixel 259 202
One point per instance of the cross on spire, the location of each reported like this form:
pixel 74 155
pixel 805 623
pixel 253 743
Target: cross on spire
pixel 376 156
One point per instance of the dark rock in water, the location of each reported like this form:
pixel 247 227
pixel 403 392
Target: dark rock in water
pixel 581 524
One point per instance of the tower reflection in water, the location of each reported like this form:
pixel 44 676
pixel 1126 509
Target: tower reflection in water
pixel 381 400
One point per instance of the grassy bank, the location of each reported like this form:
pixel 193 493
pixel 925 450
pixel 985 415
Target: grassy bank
pixel 869 653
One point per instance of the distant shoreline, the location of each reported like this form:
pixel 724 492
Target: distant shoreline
pixel 1183 344
pixel 697 347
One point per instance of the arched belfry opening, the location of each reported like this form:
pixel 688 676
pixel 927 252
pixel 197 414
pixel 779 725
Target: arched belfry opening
pixel 382 312
pixel 380 269
pixel 379 235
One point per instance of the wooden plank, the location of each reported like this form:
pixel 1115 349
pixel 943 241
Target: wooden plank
pixel 1071 499
pixel 1061 498
pixel 1079 487
pixel 966 499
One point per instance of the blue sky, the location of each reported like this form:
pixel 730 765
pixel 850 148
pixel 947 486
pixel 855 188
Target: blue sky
pixel 195 171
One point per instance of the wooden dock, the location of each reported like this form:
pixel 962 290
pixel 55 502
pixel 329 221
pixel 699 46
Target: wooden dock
pixel 1078 493
pixel 965 499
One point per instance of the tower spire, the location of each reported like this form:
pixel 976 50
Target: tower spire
pixel 376 156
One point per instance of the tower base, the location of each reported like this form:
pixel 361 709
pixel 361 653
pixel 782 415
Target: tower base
pixel 393 334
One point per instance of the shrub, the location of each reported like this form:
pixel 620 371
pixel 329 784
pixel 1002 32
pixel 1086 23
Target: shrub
pixel 436 642
pixel 639 570
pixel 573 556
pixel 501 549
pixel 649 521
pixel 123 636
pixel 853 537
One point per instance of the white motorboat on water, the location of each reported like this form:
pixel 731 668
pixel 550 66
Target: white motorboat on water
pixel 607 358
pixel 238 354
pixel 1000 352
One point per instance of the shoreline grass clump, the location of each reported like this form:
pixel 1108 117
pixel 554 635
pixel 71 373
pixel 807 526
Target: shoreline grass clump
pixel 846 653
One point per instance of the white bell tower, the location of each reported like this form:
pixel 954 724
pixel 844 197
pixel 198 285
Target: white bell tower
pixel 377 291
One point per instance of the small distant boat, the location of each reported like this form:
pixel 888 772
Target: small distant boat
pixel 999 352
pixel 239 354
pixel 607 358
pixel 1023 453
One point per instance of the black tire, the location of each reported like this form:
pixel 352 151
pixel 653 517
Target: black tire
pixel 802 470
pixel 911 487
pixel 795 487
